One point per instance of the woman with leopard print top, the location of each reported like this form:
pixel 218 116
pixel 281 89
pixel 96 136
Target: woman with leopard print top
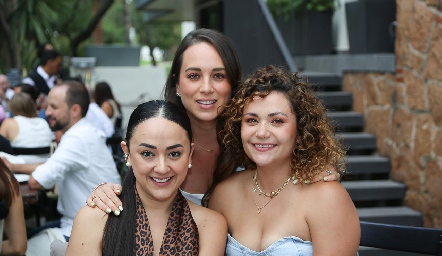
pixel 157 219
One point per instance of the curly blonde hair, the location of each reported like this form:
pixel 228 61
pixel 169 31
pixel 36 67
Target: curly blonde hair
pixel 316 148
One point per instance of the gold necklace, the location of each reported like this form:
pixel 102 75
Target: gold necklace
pixel 257 206
pixel 205 149
pixel 273 193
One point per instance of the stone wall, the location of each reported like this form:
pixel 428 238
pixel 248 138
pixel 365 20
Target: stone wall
pixel 404 109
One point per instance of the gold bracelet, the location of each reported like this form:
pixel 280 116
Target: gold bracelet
pixel 98 186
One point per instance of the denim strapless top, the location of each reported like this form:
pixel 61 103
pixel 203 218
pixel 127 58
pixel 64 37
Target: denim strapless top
pixel 290 245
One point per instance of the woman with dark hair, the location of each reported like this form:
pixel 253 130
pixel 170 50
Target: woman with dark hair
pixel 12 219
pixel 280 132
pixel 157 219
pixel 104 97
pixel 205 73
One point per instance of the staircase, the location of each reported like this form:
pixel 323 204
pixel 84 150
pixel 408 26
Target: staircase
pixel 377 198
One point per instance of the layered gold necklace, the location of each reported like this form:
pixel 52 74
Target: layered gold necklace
pixel 272 194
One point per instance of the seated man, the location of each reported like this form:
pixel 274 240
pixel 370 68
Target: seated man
pixel 81 160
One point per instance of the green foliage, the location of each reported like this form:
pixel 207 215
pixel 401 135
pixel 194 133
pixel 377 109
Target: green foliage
pixel 285 7
pixel 33 22
pixel 113 24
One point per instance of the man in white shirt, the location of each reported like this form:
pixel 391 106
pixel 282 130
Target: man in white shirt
pixel 81 160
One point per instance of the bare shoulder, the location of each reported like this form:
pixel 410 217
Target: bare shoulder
pixel 212 229
pixel 87 232
pixel 326 190
pixel 92 218
pixel 226 192
pixel 234 182
pixel 204 216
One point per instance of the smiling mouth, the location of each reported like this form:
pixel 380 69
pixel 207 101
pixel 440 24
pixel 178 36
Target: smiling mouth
pixel 206 102
pixel 161 180
pixel 264 145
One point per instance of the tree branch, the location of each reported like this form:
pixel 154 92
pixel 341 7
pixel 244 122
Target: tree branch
pixel 85 34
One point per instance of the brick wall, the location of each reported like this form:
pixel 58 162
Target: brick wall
pixel 404 110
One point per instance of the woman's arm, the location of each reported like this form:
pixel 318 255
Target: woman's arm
pixel 15 229
pixel 9 129
pixel 212 229
pixel 105 197
pixel 333 220
pixel 87 232
pixel 107 108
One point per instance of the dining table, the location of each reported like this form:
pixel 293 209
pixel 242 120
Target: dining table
pixel 29 195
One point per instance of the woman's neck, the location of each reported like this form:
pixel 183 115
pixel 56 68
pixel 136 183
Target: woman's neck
pixel 204 133
pixel 152 205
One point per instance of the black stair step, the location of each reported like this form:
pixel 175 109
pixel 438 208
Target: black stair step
pixel 368 251
pixel 324 81
pixel 372 164
pixel 358 140
pixel 346 119
pixel 374 190
pixel 336 99
pixel 398 215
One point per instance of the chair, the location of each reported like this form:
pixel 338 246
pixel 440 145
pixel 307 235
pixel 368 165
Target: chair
pixel 31 151
pixel 402 238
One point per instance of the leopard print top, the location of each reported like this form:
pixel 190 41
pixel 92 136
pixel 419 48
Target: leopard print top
pixel 180 237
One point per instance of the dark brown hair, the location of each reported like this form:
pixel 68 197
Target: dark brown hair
pixel 8 184
pixel 119 232
pixel 102 93
pixel 225 166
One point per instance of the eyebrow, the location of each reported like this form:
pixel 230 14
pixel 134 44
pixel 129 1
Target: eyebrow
pixel 269 115
pixel 198 69
pixel 154 147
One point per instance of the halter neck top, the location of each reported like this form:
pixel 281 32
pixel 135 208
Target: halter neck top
pixel 180 237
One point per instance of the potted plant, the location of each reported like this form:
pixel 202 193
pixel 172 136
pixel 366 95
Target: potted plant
pixel 306 25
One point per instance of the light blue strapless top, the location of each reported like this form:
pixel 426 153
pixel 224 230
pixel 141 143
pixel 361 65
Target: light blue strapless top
pixel 290 245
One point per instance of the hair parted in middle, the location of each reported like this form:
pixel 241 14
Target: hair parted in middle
pixel 119 232
pixel 225 50
pixel 316 144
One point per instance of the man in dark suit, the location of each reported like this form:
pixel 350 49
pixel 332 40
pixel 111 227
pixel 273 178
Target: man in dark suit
pixel 44 77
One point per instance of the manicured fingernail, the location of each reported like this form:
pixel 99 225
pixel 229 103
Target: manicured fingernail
pixel 117 212
pixel 118 191
pixel 325 178
pixel 92 204
pixel 121 208
pixel 108 210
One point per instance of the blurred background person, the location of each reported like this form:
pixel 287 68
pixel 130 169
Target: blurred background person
pixel 12 220
pixel 44 77
pixel 29 135
pixel 105 99
pixel 6 92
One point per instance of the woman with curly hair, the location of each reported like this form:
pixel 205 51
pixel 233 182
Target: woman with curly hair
pixel 279 130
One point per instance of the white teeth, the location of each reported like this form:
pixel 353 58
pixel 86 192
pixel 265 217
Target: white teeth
pixel 206 102
pixel 161 181
pixel 264 146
